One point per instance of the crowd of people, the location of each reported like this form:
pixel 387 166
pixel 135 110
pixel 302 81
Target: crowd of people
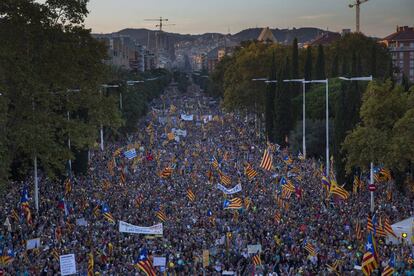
pixel 308 232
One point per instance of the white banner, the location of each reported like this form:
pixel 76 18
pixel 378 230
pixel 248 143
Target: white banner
pixel 231 191
pixel 130 228
pixel 186 117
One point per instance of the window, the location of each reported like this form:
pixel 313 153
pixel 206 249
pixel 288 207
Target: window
pixel 401 55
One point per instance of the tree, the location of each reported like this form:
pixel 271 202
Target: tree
pixel 349 99
pixel 320 64
pixel 295 59
pixel 269 105
pixel 385 135
pixel 283 106
pixel 308 64
pixel 373 61
pixel 335 66
pixel 52 69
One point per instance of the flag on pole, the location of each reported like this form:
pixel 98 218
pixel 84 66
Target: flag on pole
pixel 234 203
pixel 247 202
pixel 256 259
pixel 166 173
pixel 107 214
pixel 358 231
pixel 160 214
pixel 334 267
pixel 266 162
pixel 388 229
pixel 250 172
pixel 90 264
pixel 226 180
pixel 287 160
pixel 144 264
pixel 338 191
pixel 191 196
pixel 215 163
pixel 277 217
pixel 370 226
pixel 68 186
pixel 309 248
pixel 389 269
pixel 130 154
pixel 369 260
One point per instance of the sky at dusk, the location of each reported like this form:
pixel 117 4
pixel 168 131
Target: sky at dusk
pixel 378 17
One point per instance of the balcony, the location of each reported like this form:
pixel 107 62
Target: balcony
pixel 401 49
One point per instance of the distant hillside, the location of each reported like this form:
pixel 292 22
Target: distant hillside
pixel 282 35
pixel 143 36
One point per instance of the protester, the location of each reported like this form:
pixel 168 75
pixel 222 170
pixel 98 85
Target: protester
pixel 311 216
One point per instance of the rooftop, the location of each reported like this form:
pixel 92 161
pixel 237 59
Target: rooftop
pixel 402 33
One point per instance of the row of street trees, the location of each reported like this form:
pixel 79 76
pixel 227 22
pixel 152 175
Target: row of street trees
pixel 281 102
pixel 51 76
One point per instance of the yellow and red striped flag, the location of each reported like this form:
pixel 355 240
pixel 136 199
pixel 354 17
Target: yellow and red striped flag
pixel 250 172
pixel 226 180
pixel 161 215
pixel 256 259
pixel 266 162
pixel 191 196
pixel 388 229
pixel 166 173
pixel 90 265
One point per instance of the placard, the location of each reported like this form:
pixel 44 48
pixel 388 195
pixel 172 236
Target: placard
pixel 33 243
pixel 254 248
pixel 67 264
pixel 160 261
pixel 206 258
pixel 81 222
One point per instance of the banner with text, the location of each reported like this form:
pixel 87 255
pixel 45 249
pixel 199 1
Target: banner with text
pixel 231 191
pixel 133 229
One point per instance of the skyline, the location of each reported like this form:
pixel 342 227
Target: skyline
pixel 378 17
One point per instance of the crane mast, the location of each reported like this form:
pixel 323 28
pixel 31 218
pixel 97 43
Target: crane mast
pixel 357 5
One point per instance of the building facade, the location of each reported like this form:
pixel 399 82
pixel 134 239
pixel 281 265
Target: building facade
pixel 124 53
pixel 401 46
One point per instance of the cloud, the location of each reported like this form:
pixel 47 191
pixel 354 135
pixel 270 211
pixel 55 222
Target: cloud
pixel 316 16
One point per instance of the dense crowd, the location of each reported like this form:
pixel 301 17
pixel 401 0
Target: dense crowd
pixel 309 216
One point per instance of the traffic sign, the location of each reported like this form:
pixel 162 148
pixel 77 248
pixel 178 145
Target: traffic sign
pixel 372 187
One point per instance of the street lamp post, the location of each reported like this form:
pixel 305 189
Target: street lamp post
pixel 120 105
pixel 371 178
pixel 68 117
pixel 303 113
pixel 267 81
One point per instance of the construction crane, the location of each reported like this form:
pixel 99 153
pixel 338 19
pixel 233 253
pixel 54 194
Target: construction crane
pixel 161 20
pixel 357 5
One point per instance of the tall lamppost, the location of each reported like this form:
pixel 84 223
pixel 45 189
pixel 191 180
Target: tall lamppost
pixel 267 81
pixel 372 164
pixel 303 113
pixel 120 105
pixel 326 82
